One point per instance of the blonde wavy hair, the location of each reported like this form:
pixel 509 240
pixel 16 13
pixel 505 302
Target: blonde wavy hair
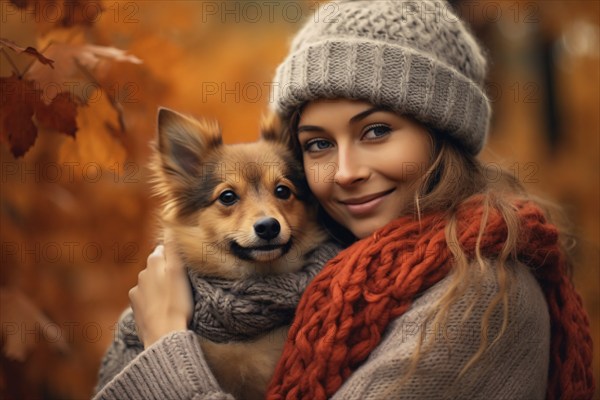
pixel 453 177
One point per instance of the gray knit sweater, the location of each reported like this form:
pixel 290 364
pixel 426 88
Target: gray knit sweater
pixel 515 367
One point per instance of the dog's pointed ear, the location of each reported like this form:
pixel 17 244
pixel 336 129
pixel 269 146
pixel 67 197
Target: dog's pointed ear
pixel 183 140
pixel 271 128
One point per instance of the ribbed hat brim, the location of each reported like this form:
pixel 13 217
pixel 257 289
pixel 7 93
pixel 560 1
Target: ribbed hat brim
pixel 398 77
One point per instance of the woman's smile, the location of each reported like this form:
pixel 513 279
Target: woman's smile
pixel 364 205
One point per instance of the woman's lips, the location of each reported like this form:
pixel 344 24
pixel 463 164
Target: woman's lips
pixel 365 204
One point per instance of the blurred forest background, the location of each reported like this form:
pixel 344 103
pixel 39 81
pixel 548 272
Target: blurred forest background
pixel 77 218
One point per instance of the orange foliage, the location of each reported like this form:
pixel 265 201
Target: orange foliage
pixel 77 218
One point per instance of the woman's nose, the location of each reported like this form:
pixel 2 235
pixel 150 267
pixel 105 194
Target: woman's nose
pixel 350 170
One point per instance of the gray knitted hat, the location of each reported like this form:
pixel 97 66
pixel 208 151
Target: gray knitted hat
pixel 415 57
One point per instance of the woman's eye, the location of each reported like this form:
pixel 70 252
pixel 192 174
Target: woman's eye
pixel 376 131
pixel 228 197
pixel 283 192
pixel 315 145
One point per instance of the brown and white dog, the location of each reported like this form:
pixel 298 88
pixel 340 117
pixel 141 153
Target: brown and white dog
pixel 234 211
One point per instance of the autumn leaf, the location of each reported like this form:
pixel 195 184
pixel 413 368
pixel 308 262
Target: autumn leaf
pixel 28 50
pixel 20 131
pixel 76 68
pixel 48 98
pixel 20 101
pixel 90 55
pixel 70 56
pixel 60 115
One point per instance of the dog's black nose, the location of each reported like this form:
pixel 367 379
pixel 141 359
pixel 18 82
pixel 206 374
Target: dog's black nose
pixel 267 228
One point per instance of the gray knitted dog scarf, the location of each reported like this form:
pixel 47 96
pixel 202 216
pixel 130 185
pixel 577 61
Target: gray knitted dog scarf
pixel 228 310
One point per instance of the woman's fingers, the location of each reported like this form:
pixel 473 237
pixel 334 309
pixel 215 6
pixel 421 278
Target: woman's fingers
pixel 156 259
pixel 132 293
pixel 162 300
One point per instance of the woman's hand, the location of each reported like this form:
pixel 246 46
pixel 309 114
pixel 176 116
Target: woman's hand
pixel 162 300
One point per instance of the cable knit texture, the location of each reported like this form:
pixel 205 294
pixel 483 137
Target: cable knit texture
pixel 172 368
pixel 415 57
pixel 226 310
pixel 345 311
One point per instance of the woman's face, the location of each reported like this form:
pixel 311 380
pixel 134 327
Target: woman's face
pixel 362 162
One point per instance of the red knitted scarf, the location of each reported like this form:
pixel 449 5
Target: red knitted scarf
pixel 346 308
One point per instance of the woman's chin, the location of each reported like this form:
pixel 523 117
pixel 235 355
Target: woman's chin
pixel 365 229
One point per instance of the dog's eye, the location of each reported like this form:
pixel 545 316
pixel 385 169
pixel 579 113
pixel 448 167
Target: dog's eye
pixel 283 192
pixel 228 197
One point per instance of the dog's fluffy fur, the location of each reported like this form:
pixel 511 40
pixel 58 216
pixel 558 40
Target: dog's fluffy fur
pixel 234 211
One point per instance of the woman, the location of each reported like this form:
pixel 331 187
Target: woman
pixel 453 286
